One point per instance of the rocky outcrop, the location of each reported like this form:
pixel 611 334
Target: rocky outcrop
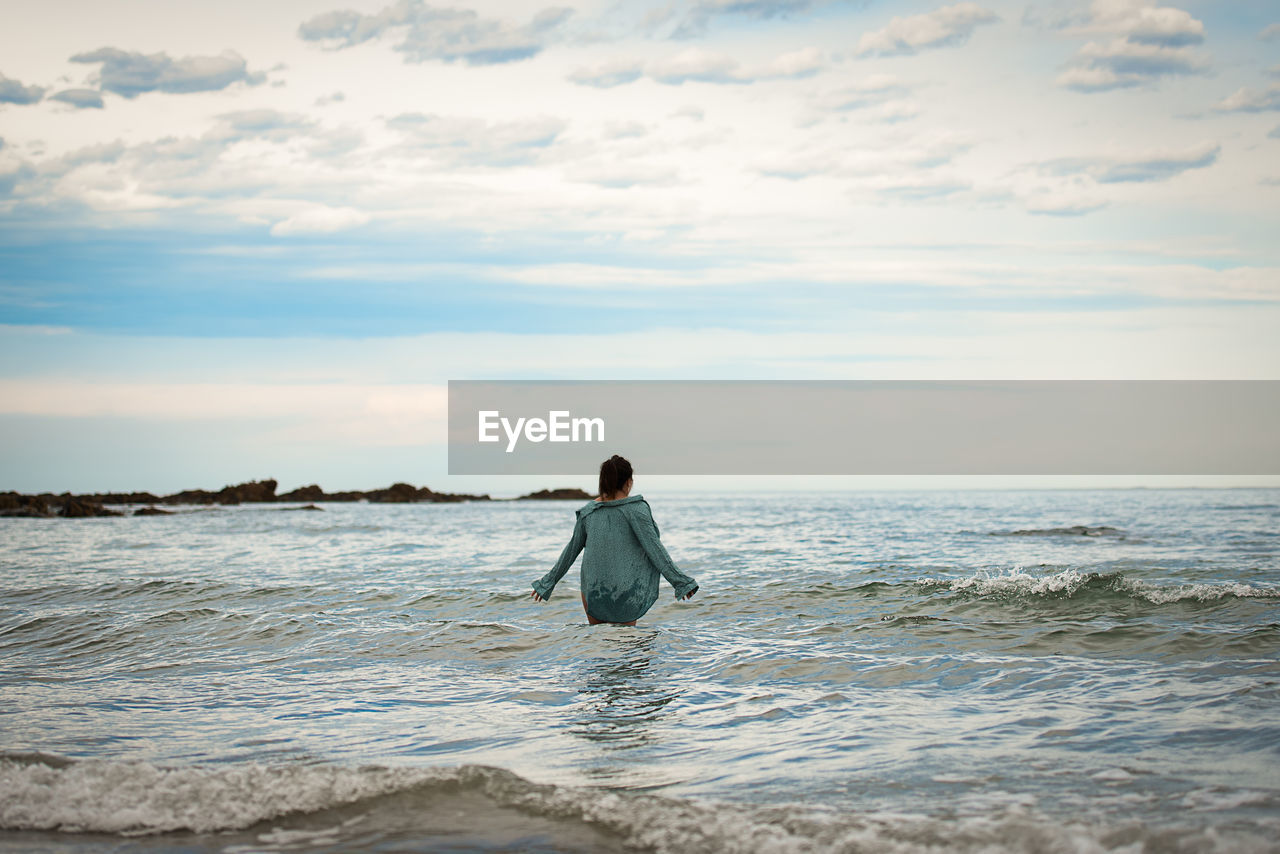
pixel 253 492
pixel 15 504
pixel 80 508
pixel 564 493
pixel 303 507
pixel 121 498
pixel 305 493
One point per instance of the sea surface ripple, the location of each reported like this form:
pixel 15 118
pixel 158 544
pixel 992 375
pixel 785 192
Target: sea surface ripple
pixel 904 671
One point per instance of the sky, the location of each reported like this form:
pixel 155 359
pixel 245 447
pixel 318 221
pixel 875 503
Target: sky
pixel 245 240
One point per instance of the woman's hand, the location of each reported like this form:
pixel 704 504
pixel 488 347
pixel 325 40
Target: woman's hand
pixel 536 597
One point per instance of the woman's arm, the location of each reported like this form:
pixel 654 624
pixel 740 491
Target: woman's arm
pixel 543 586
pixel 646 531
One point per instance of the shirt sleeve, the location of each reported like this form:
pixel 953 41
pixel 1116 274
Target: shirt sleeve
pixel 547 583
pixel 646 531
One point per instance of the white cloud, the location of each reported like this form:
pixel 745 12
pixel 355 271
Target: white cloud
pixel 945 26
pixel 697 65
pixel 606 75
pixel 1149 166
pixel 702 12
pixel 625 175
pixel 1250 101
pixel 14 92
pixel 1147 43
pixel 1144 22
pixel 320 220
pixel 470 141
pixel 1270 33
pixel 130 73
pixel 703 66
pixel 438 33
pixel 81 99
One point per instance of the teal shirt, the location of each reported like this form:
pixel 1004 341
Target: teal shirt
pixel 624 558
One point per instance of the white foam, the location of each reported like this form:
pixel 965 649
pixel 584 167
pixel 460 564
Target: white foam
pixel 132 798
pixel 1019 582
pixel 137 797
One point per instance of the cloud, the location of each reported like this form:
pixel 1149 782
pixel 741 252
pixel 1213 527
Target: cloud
pixel 609 74
pixel 1270 33
pixel 904 163
pixel 331 98
pixel 1143 22
pixel 475 142
pixel 1147 167
pixel 620 176
pixel 130 73
pixel 1147 43
pixel 259 124
pixel 9 178
pixel 697 19
pixel 81 99
pixel 13 92
pixel 436 33
pixel 943 27
pixel 1275 132
pixel 1249 101
pixel 1055 204
pixel 920 189
pixel 624 130
pixel 107 152
pixel 320 219
pixel 695 65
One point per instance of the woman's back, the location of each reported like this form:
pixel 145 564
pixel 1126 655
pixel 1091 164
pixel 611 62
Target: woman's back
pixel 623 562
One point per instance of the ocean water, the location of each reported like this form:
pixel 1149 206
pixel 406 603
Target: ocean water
pixel 902 672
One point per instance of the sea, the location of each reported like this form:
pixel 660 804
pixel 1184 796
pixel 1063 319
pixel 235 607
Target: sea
pixel 935 671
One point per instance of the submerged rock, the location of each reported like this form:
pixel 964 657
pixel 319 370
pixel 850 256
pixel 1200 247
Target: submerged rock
pixel 152 511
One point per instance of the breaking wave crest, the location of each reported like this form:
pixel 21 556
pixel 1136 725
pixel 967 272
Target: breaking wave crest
pixel 1071 583
pixel 47 793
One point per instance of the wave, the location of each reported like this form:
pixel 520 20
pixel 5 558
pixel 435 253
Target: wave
pixel 321 802
pixel 1070 583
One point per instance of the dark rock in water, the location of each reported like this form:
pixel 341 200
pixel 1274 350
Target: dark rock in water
pixel 75 508
pixel 121 498
pixel 243 493
pixel 305 493
pixel 152 511
pixel 253 491
pixel 31 506
pixel 304 507
pixel 1073 531
pixel 403 493
pixel 564 493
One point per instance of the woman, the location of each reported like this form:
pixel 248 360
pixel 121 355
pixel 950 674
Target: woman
pixel 624 554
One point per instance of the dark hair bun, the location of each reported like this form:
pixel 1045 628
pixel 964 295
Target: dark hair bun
pixel 614 474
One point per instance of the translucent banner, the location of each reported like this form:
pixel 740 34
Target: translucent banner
pixel 867 427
